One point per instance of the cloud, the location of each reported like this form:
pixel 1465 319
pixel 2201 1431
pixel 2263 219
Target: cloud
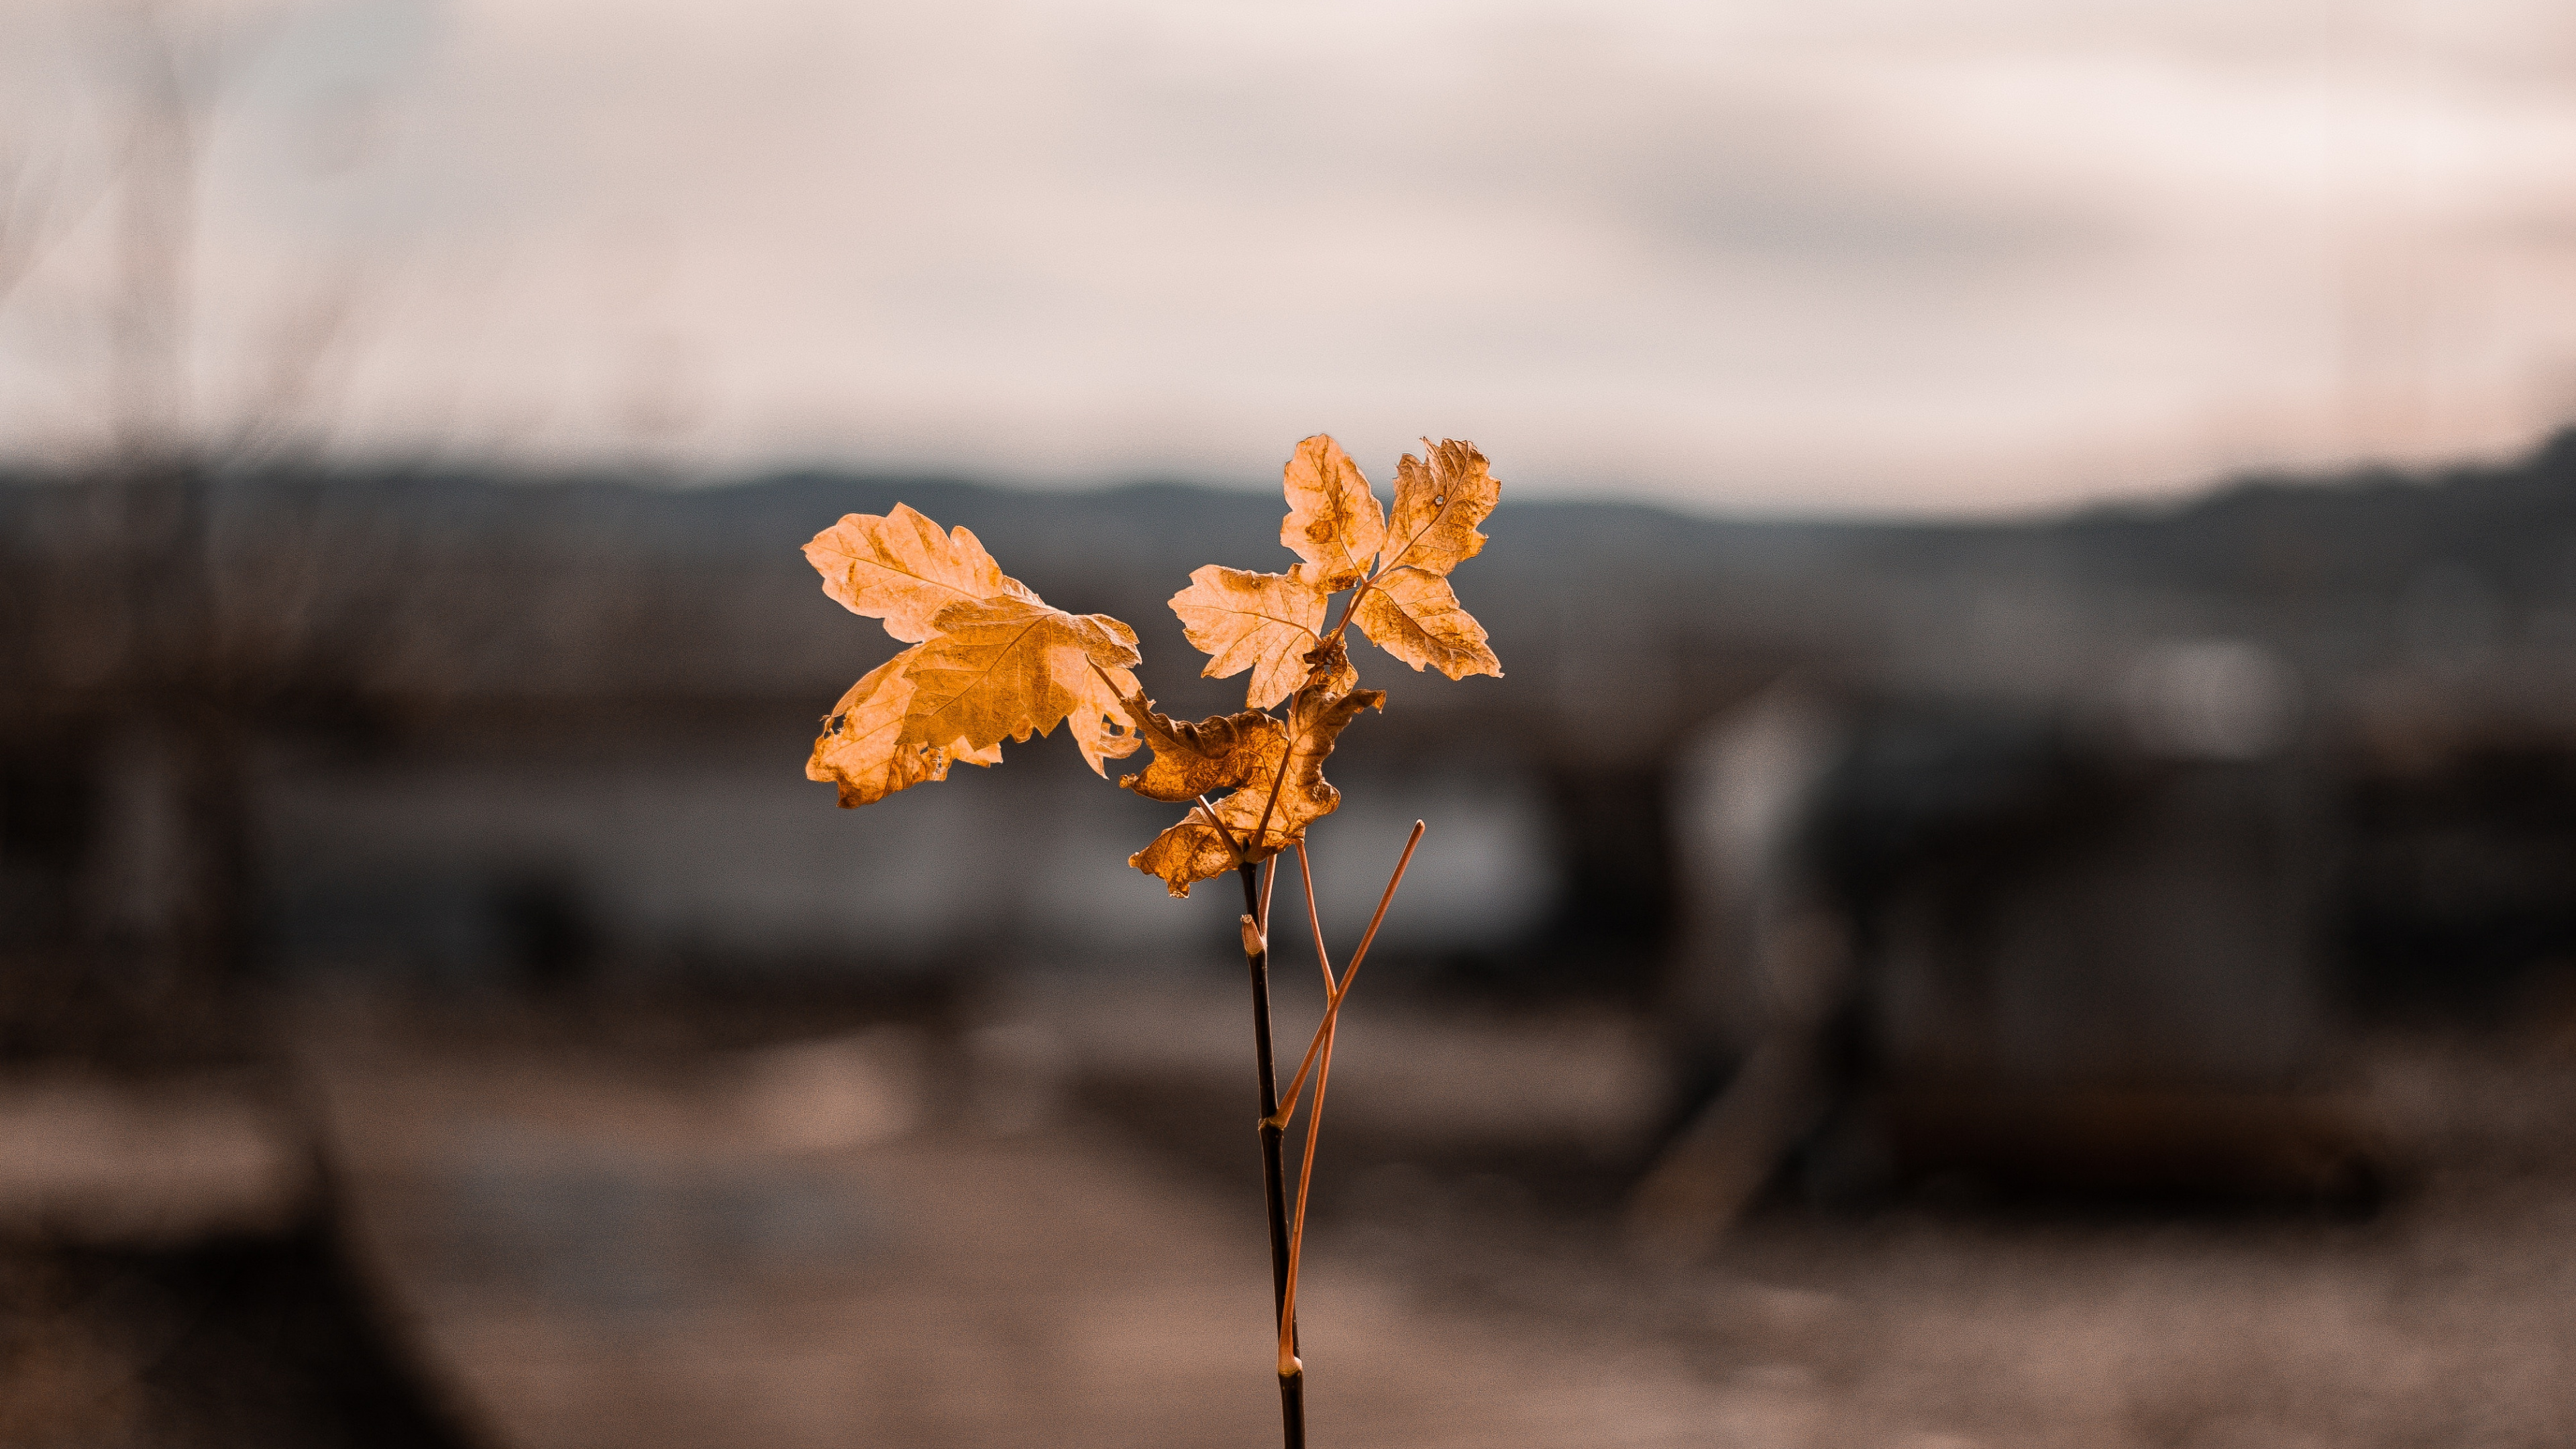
pixel 1863 255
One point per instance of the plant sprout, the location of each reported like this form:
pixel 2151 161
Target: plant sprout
pixel 990 661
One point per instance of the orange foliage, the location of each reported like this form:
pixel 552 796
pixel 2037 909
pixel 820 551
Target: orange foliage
pixel 992 661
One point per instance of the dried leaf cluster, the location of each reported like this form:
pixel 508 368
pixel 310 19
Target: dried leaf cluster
pixel 991 660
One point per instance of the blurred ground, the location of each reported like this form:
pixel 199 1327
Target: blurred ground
pixel 1047 1229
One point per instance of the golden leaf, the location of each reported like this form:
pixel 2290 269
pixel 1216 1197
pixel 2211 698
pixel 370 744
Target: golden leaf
pixel 992 661
pixel 1193 850
pixel 902 569
pixel 1333 519
pixel 1220 752
pixel 1416 618
pixel 858 751
pixel 1315 724
pixel 1095 726
pixel 1261 622
pixel 1437 507
pixel 1409 610
pixel 1006 668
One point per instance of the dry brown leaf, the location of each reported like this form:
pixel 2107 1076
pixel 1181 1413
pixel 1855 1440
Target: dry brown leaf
pixel 1409 610
pixel 1437 507
pixel 858 751
pixel 1315 725
pixel 1261 622
pixel 1220 752
pixel 1328 667
pixel 1194 850
pixel 1096 730
pixel 993 661
pixel 1334 521
pixel 902 569
pixel 1006 668
pixel 1416 618
pixel 1190 852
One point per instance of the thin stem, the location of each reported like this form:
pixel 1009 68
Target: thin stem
pixel 1261 832
pixel 1323 958
pixel 1383 901
pixel 1314 1122
pixel 1333 1008
pixel 1288 1362
pixel 1332 990
pixel 1326 1034
pixel 1231 843
pixel 1292 1386
pixel 1349 606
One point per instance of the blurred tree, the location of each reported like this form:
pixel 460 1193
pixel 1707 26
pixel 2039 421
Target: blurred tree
pixel 155 619
pixel 161 611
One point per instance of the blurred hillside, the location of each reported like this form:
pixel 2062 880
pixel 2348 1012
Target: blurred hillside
pixel 629 591
pixel 552 725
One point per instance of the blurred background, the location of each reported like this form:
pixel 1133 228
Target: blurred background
pixel 2019 887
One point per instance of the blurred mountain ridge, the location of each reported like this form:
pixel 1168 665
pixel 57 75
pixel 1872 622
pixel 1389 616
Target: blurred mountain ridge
pixel 591 585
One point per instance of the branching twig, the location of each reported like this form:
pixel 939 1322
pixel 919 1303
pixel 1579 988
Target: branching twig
pixel 1289 1364
pixel 1298 1085
pixel 1306 1170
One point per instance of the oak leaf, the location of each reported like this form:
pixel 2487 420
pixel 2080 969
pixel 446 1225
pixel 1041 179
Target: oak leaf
pixel 1261 622
pixel 1006 668
pixel 1273 808
pixel 858 748
pixel 902 569
pixel 1333 521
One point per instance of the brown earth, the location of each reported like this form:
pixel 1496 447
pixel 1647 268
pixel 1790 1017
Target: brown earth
pixel 1047 1230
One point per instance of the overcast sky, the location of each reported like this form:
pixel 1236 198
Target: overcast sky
pixel 1825 257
